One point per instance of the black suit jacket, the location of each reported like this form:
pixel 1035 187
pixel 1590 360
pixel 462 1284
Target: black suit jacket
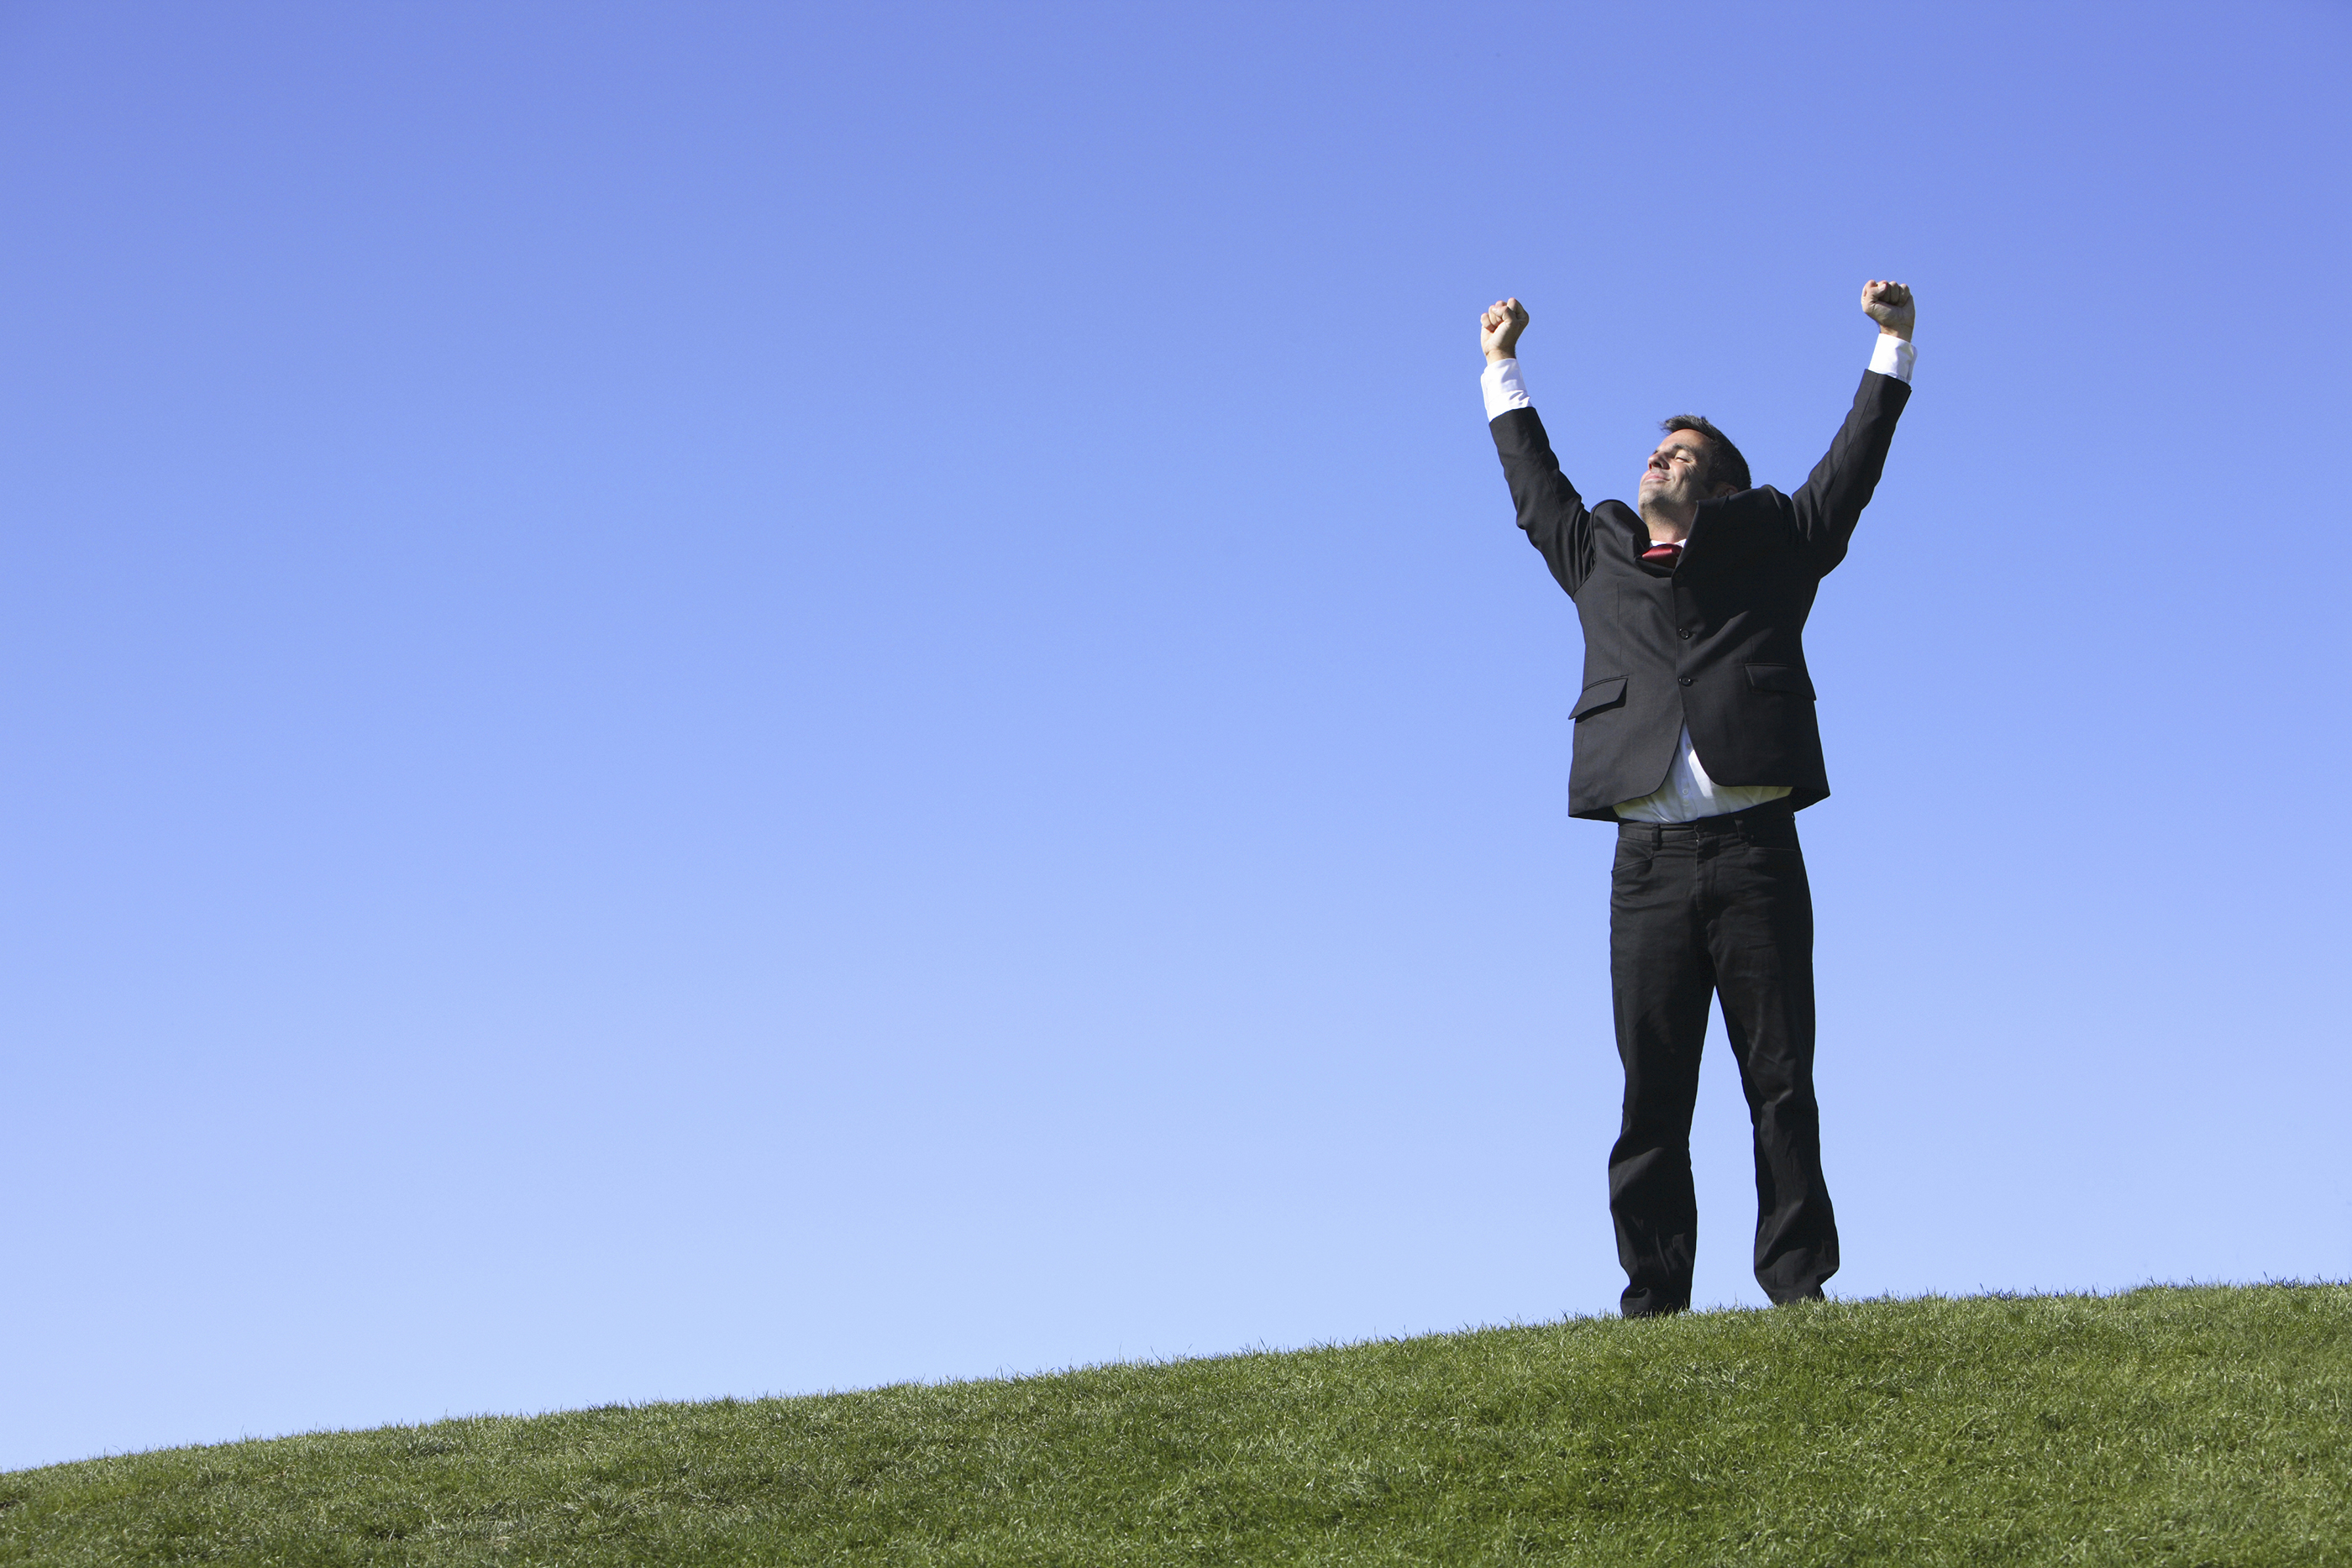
pixel 1717 642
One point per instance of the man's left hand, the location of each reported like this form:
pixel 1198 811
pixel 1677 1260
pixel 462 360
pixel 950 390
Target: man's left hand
pixel 1499 328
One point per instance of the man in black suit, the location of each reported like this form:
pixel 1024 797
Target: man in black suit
pixel 1695 733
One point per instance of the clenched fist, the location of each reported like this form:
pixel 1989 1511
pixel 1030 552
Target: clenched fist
pixel 1890 305
pixel 1499 329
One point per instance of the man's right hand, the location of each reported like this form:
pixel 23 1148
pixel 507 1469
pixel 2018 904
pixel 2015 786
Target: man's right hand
pixel 1499 330
pixel 1890 305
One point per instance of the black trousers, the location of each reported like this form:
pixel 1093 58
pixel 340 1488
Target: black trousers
pixel 1717 907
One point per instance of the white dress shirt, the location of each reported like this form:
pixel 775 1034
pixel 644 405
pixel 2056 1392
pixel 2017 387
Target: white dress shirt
pixel 1688 793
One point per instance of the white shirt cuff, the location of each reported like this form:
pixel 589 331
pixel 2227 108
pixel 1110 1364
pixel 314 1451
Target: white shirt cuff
pixel 1504 390
pixel 1893 356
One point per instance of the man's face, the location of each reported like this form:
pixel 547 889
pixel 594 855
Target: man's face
pixel 1676 476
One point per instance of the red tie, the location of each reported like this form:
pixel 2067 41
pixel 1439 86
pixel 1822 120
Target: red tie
pixel 1663 555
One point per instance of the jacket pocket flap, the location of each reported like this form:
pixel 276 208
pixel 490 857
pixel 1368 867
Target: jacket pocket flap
pixel 1780 678
pixel 1601 694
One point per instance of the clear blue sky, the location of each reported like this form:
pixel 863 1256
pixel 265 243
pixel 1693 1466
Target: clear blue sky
pixel 716 699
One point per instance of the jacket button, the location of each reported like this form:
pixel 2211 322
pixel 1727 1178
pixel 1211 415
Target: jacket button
pixel 1686 631
pixel 1682 680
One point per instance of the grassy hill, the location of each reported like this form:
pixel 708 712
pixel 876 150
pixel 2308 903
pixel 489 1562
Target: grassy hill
pixel 2166 1425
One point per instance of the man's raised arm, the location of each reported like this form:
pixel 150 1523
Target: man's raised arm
pixel 1842 483
pixel 1550 509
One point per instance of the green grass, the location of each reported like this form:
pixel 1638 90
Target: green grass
pixel 2165 1426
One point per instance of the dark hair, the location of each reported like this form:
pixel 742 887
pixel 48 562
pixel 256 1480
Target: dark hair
pixel 1724 464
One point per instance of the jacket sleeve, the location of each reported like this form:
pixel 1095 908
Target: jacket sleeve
pixel 1825 511
pixel 1550 510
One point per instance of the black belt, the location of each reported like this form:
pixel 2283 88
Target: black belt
pixel 1728 823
